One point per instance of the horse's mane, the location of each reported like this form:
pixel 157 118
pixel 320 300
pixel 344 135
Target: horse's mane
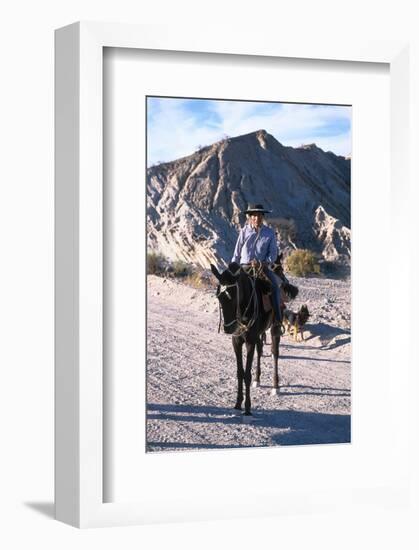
pixel 263 285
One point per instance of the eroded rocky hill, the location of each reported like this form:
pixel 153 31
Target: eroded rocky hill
pixel 194 204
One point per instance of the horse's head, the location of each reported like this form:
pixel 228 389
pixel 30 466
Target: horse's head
pixel 227 294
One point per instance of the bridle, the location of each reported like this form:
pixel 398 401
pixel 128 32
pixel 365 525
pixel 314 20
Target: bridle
pixel 243 327
pixel 222 289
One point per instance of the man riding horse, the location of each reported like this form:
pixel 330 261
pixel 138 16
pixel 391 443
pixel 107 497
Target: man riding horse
pixel 240 294
pixel 256 246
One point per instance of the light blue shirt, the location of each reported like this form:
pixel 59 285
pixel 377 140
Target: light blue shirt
pixel 253 244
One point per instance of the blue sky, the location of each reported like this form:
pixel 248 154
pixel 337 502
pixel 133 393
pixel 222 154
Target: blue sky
pixel 177 127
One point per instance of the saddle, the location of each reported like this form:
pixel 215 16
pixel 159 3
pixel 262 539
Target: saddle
pixel 265 286
pixel 267 299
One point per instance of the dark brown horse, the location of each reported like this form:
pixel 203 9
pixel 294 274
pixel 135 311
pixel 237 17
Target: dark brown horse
pixel 240 295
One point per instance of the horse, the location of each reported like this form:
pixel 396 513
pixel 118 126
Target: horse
pixel 240 295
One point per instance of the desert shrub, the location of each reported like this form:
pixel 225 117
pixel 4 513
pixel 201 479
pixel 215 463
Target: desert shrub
pixel 301 263
pixel 200 279
pixel 180 268
pixel 155 263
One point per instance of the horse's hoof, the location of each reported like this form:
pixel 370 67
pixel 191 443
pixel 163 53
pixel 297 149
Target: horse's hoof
pixel 256 384
pixel 275 391
pixel 247 417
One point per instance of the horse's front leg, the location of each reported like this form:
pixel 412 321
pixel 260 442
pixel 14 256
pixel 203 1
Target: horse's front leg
pixel 250 347
pixel 275 338
pixel 259 351
pixel 238 345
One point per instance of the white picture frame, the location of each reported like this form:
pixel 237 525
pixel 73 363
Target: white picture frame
pixel 79 245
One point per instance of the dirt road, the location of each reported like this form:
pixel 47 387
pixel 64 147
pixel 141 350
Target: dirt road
pixel 191 373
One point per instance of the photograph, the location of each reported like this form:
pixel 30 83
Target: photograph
pixel 204 208
pixel 248 318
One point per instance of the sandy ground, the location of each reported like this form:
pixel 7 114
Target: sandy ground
pixel 191 373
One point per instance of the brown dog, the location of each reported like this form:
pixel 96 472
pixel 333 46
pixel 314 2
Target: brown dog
pixel 294 322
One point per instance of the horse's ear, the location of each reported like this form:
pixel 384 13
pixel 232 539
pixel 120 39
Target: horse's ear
pixel 234 268
pixel 215 272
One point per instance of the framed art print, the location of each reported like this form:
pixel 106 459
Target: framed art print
pixel 196 198
pixel 165 150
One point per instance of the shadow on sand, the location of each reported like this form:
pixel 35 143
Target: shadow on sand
pixel 289 427
pixel 298 389
pixel 312 358
pixel 326 333
pixel 330 336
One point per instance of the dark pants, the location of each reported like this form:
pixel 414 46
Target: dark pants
pixel 275 293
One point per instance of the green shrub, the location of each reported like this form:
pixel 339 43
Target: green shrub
pixel 301 263
pixel 155 263
pixel 180 268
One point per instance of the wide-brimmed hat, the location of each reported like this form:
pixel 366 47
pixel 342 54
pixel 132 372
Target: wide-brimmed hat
pixel 256 208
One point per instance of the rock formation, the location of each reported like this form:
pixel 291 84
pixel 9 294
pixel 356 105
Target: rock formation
pixel 194 204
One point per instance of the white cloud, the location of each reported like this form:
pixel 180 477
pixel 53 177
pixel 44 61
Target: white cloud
pixel 174 130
